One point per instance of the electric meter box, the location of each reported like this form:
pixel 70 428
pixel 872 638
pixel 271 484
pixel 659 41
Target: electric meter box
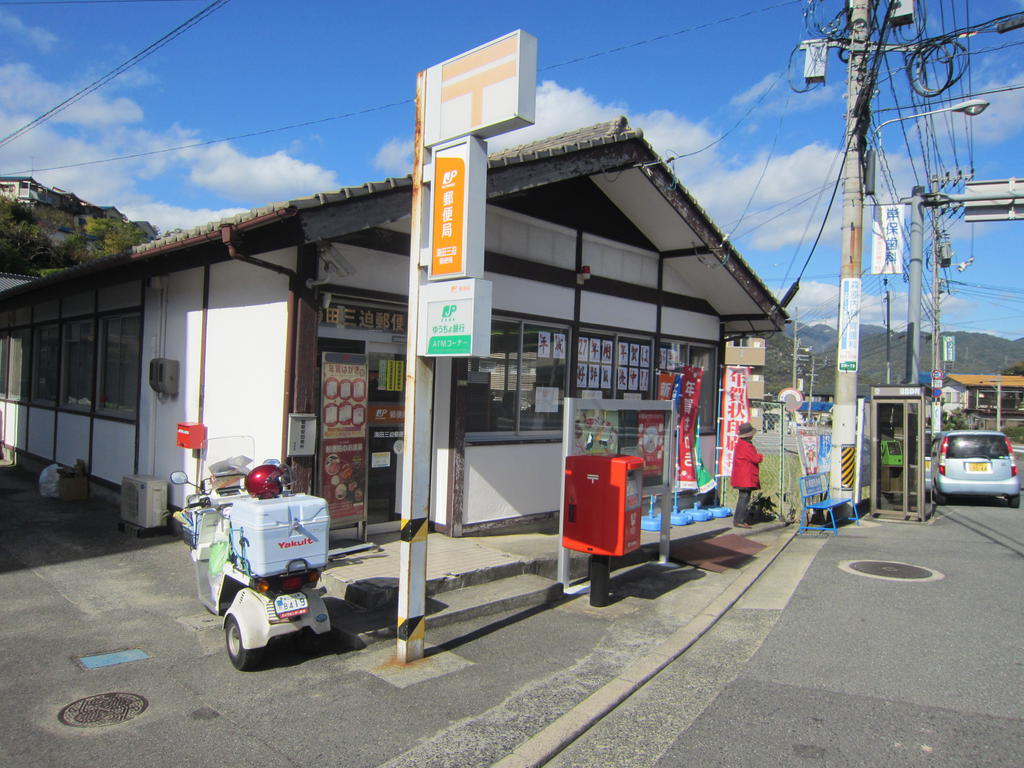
pixel 192 435
pixel 603 504
pixel 271 533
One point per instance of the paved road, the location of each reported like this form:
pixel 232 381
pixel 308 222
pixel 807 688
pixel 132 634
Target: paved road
pixel 73 586
pixel 852 670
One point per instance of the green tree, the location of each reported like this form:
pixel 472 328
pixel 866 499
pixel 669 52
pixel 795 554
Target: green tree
pixel 24 247
pixel 114 235
pixel 1017 369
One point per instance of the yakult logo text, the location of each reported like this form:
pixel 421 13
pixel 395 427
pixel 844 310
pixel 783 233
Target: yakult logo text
pixel 294 543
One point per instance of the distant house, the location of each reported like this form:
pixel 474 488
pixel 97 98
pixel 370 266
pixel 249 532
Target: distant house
pixel 985 398
pixel 25 189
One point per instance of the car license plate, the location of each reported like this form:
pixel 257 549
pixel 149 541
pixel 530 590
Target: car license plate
pixel 978 466
pixel 286 606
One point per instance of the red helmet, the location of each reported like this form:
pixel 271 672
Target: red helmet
pixel 267 481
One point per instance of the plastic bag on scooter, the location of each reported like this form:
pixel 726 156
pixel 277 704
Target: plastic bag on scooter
pixel 219 553
pixel 49 482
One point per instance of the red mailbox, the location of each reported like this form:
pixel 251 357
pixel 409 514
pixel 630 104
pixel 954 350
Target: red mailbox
pixel 192 435
pixel 602 504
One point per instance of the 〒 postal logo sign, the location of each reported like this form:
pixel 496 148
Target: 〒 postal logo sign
pixel 486 91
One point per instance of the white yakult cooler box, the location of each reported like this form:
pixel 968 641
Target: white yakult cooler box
pixel 278 531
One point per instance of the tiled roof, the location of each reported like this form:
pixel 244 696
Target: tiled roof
pixel 602 133
pixel 9 281
pixel 985 380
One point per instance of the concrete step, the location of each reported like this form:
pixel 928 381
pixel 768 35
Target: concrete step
pixel 361 626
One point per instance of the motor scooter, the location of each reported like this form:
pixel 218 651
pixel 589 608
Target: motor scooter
pixel 257 550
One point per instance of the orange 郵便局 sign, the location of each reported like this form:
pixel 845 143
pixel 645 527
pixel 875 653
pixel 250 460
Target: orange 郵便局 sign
pixel 448 247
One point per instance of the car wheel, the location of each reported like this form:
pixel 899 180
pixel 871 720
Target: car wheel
pixel 1013 501
pixel 938 497
pixel 241 657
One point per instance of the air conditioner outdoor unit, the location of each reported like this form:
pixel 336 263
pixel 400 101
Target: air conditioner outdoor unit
pixel 143 500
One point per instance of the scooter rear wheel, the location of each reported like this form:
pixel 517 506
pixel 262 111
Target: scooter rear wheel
pixel 242 658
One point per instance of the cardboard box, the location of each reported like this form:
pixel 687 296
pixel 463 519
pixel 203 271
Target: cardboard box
pixel 72 482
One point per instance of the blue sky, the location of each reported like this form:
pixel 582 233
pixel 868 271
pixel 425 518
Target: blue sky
pixel 711 81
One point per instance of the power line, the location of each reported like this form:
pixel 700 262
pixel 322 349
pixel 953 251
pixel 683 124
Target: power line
pixel 121 68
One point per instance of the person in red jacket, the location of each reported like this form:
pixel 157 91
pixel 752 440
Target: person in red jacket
pixel 746 471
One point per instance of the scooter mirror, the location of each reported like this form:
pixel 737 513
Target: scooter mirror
pixel 179 478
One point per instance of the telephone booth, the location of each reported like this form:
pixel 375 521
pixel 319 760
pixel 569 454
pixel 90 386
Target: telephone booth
pixel 898 446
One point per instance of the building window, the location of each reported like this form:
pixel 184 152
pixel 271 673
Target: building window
pixel 675 354
pixel 18 372
pixel 77 363
pixel 520 386
pixel 45 363
pixel 119 364
pixel 615 366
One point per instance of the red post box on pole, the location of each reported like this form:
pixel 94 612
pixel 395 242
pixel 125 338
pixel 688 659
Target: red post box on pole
pixel 602 511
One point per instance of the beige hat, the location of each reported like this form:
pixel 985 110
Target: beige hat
pixel 746 429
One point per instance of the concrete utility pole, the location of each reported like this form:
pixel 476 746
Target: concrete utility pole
pixel 796 341
pixel 844 412
pixel 937 246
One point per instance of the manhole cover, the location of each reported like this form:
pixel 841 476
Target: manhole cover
pixel 102 709
pixel 883 569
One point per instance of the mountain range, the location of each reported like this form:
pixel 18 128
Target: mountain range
pixel 979 353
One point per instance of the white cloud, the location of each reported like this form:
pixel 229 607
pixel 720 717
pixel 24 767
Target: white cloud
pixel 395 157
pixel 755 91
pixel 171 217
pixel 224 170
pixel 41 38
pixel 24 95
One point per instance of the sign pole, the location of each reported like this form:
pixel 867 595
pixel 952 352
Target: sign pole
pixel 416 450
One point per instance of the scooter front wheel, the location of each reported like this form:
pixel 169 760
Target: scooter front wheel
pixel 242 658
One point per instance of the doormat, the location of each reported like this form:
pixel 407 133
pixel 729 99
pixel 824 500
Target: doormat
pixel 715 554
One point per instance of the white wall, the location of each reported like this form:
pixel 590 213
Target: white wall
pixel 514 294
pixel 513 234
pixel 113 450
pixel 679 322
pixel 509 481
pixel 40 432
pixel 441 438
pixel 245 359
pixel 627 314
pixel 73 444
pixel 246 354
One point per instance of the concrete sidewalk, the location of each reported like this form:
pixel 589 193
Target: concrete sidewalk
pixel 468 577
pixel 501 676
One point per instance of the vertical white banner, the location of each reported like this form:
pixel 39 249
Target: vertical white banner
pixel 849 324
pixel 887 241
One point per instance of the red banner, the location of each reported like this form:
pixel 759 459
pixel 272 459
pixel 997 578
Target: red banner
pixel 735 411
pixel 689 405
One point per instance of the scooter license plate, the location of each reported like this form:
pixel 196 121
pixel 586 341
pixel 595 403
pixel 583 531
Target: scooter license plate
pixel 287 606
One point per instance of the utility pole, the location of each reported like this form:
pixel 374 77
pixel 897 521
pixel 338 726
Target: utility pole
pixel 888 335
pixel 937 254
pixel 796 341
pixel 844 413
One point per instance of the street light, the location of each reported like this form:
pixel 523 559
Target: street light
pixel 970 108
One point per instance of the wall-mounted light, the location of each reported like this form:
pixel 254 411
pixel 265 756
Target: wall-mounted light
pixel 583 275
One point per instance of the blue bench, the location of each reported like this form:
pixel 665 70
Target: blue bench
pixel 814 498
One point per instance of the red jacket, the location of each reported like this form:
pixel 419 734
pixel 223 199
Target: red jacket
pixel 745 465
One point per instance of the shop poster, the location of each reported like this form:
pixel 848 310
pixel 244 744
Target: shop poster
pixel 596 432
pixel 815 450
pixel 651 425
pixel 735 411
pixel 343 435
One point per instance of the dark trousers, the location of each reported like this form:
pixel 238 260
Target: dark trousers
pixel 742 504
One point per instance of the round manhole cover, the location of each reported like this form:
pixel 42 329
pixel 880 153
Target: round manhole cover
pixel 884 569
pixel 102 709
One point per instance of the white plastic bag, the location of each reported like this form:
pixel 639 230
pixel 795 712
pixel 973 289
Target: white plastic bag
pixel 49 482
